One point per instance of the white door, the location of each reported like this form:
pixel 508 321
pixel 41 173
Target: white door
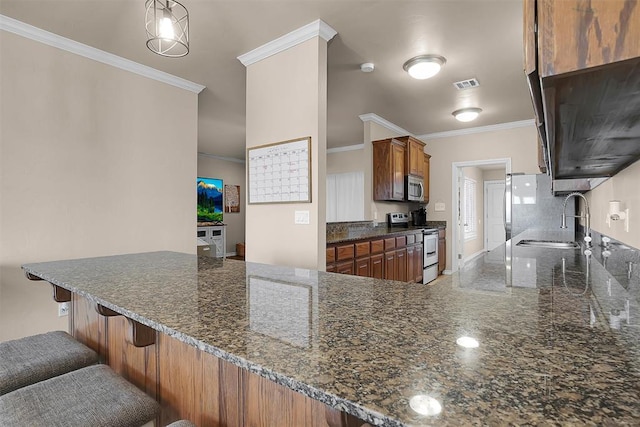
pixel 494 214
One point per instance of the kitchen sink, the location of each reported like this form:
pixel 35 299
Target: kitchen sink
pixel 548 244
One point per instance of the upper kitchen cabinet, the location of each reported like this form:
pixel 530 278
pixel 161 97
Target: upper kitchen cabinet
pixel 582 60
pixel 414 163
pixel 388 169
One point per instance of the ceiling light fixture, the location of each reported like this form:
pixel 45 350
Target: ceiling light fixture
pixel 167 24
pixel 466 114
pixel 424 66
pixel 367 67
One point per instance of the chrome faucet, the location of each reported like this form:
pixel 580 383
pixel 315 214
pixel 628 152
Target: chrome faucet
pixel 586 216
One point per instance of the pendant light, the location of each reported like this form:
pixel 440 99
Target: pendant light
pixel 167 24
pixel 424 66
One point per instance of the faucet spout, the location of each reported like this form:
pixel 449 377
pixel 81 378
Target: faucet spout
pixel 586 216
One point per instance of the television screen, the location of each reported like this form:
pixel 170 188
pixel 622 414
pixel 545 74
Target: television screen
pixel 210 201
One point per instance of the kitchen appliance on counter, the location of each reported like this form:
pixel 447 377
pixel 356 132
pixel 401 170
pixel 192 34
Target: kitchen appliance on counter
pixel 398 219
pixel 419 217
pixel 430 255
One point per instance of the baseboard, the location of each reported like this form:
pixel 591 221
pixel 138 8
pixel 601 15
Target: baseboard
pixel 447 272
pixel 473 256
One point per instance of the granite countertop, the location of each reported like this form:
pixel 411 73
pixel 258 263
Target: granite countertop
pixel 550 350
pixel 347 234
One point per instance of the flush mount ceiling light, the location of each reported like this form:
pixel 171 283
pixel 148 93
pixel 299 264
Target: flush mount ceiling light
pixel 167 24
pixel 467 114
pixel 424 66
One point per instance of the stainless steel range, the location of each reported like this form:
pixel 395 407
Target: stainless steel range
pixel 430 257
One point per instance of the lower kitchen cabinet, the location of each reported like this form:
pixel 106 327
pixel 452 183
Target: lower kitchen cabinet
pixel 395 256
pixel 363 267
pixel 390 265
pixel 345 267
pixel 401 265
pixel 377 266
pixel 442 251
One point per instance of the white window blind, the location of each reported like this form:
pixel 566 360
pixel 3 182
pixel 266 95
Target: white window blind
pixel 345 197
pixel 469 210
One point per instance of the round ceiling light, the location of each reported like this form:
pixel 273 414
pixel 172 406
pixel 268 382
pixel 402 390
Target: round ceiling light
pixel 467 114
pixel 424 66
pixel 425 405
pixel 467 342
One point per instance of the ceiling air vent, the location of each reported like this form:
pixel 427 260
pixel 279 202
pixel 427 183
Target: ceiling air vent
pixel 467 84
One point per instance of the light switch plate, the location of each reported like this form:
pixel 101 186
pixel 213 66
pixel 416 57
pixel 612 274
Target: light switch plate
pixel 439 207
pixel 302 217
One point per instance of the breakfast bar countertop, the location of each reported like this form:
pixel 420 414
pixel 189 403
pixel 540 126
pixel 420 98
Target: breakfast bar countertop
pixel 562 349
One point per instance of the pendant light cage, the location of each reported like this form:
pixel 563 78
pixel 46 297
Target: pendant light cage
pixel 167 25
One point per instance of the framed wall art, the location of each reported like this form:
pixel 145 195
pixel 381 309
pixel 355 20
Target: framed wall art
pixel 231 198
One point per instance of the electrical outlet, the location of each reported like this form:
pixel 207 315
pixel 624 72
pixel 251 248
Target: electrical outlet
pixel 63 309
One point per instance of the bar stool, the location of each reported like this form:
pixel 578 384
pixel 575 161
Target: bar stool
pixel 91 396
pixel 28 360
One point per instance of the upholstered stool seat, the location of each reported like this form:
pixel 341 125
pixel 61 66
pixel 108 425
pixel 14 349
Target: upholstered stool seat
pixel 26 361
pixel 181 423
pixel 93 396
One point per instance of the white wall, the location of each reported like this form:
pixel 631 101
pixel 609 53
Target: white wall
pixel 231 173
pixel 519 144
pixel 623 187
pixel 89 165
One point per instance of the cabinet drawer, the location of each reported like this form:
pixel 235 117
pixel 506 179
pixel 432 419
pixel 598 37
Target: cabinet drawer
pixel 389 243
pixel 377 246
pixel 362 249
pixel 411 239
pixel 345 252
pixel 419 238
pixel 331 255
pixel 401 241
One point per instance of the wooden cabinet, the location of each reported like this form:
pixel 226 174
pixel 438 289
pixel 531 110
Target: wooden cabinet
pixel 388 169
pixel 414 164
pixel 426 160
pixel 442 251
pixel 377 266
pixel 582 60
pixel 396 256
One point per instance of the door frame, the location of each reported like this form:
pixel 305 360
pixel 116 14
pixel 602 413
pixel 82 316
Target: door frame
pixel 456 171
pixel 485 210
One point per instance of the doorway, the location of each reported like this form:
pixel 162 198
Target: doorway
pixel 469 215
pixel 494 231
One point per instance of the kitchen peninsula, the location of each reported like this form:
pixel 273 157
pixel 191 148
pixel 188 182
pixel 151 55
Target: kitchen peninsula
pixel 251 344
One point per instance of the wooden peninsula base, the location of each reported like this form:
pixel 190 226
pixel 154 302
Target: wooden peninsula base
pixel 191 384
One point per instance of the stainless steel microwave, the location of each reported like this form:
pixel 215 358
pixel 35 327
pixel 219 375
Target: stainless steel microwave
pixel 413 188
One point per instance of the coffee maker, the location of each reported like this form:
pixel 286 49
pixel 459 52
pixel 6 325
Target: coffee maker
pixel 419 217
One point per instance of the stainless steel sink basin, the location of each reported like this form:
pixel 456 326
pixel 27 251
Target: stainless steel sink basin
pixel 548 244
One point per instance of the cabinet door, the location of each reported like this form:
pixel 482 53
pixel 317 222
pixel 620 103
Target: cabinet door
pixel 411 264
pixel 363 267
pixel 401 264
pixel 427 160
pixel 377 266
pixel 418 263
pixel 345 267
pixel 442 255
pixel 414 156
pixel 390 265
pixel 331 268
pixel 397 155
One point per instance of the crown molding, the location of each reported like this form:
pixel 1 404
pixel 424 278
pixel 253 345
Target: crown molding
pixel 372 117
pixel 479 129
pixel 37 34
pixel 226 159
pixel 317 28
pixel 345 148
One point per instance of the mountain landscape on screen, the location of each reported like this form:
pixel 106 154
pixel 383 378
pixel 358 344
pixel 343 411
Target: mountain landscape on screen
pixel 210 201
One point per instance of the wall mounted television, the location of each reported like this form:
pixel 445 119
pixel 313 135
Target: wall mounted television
pixel 210 200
